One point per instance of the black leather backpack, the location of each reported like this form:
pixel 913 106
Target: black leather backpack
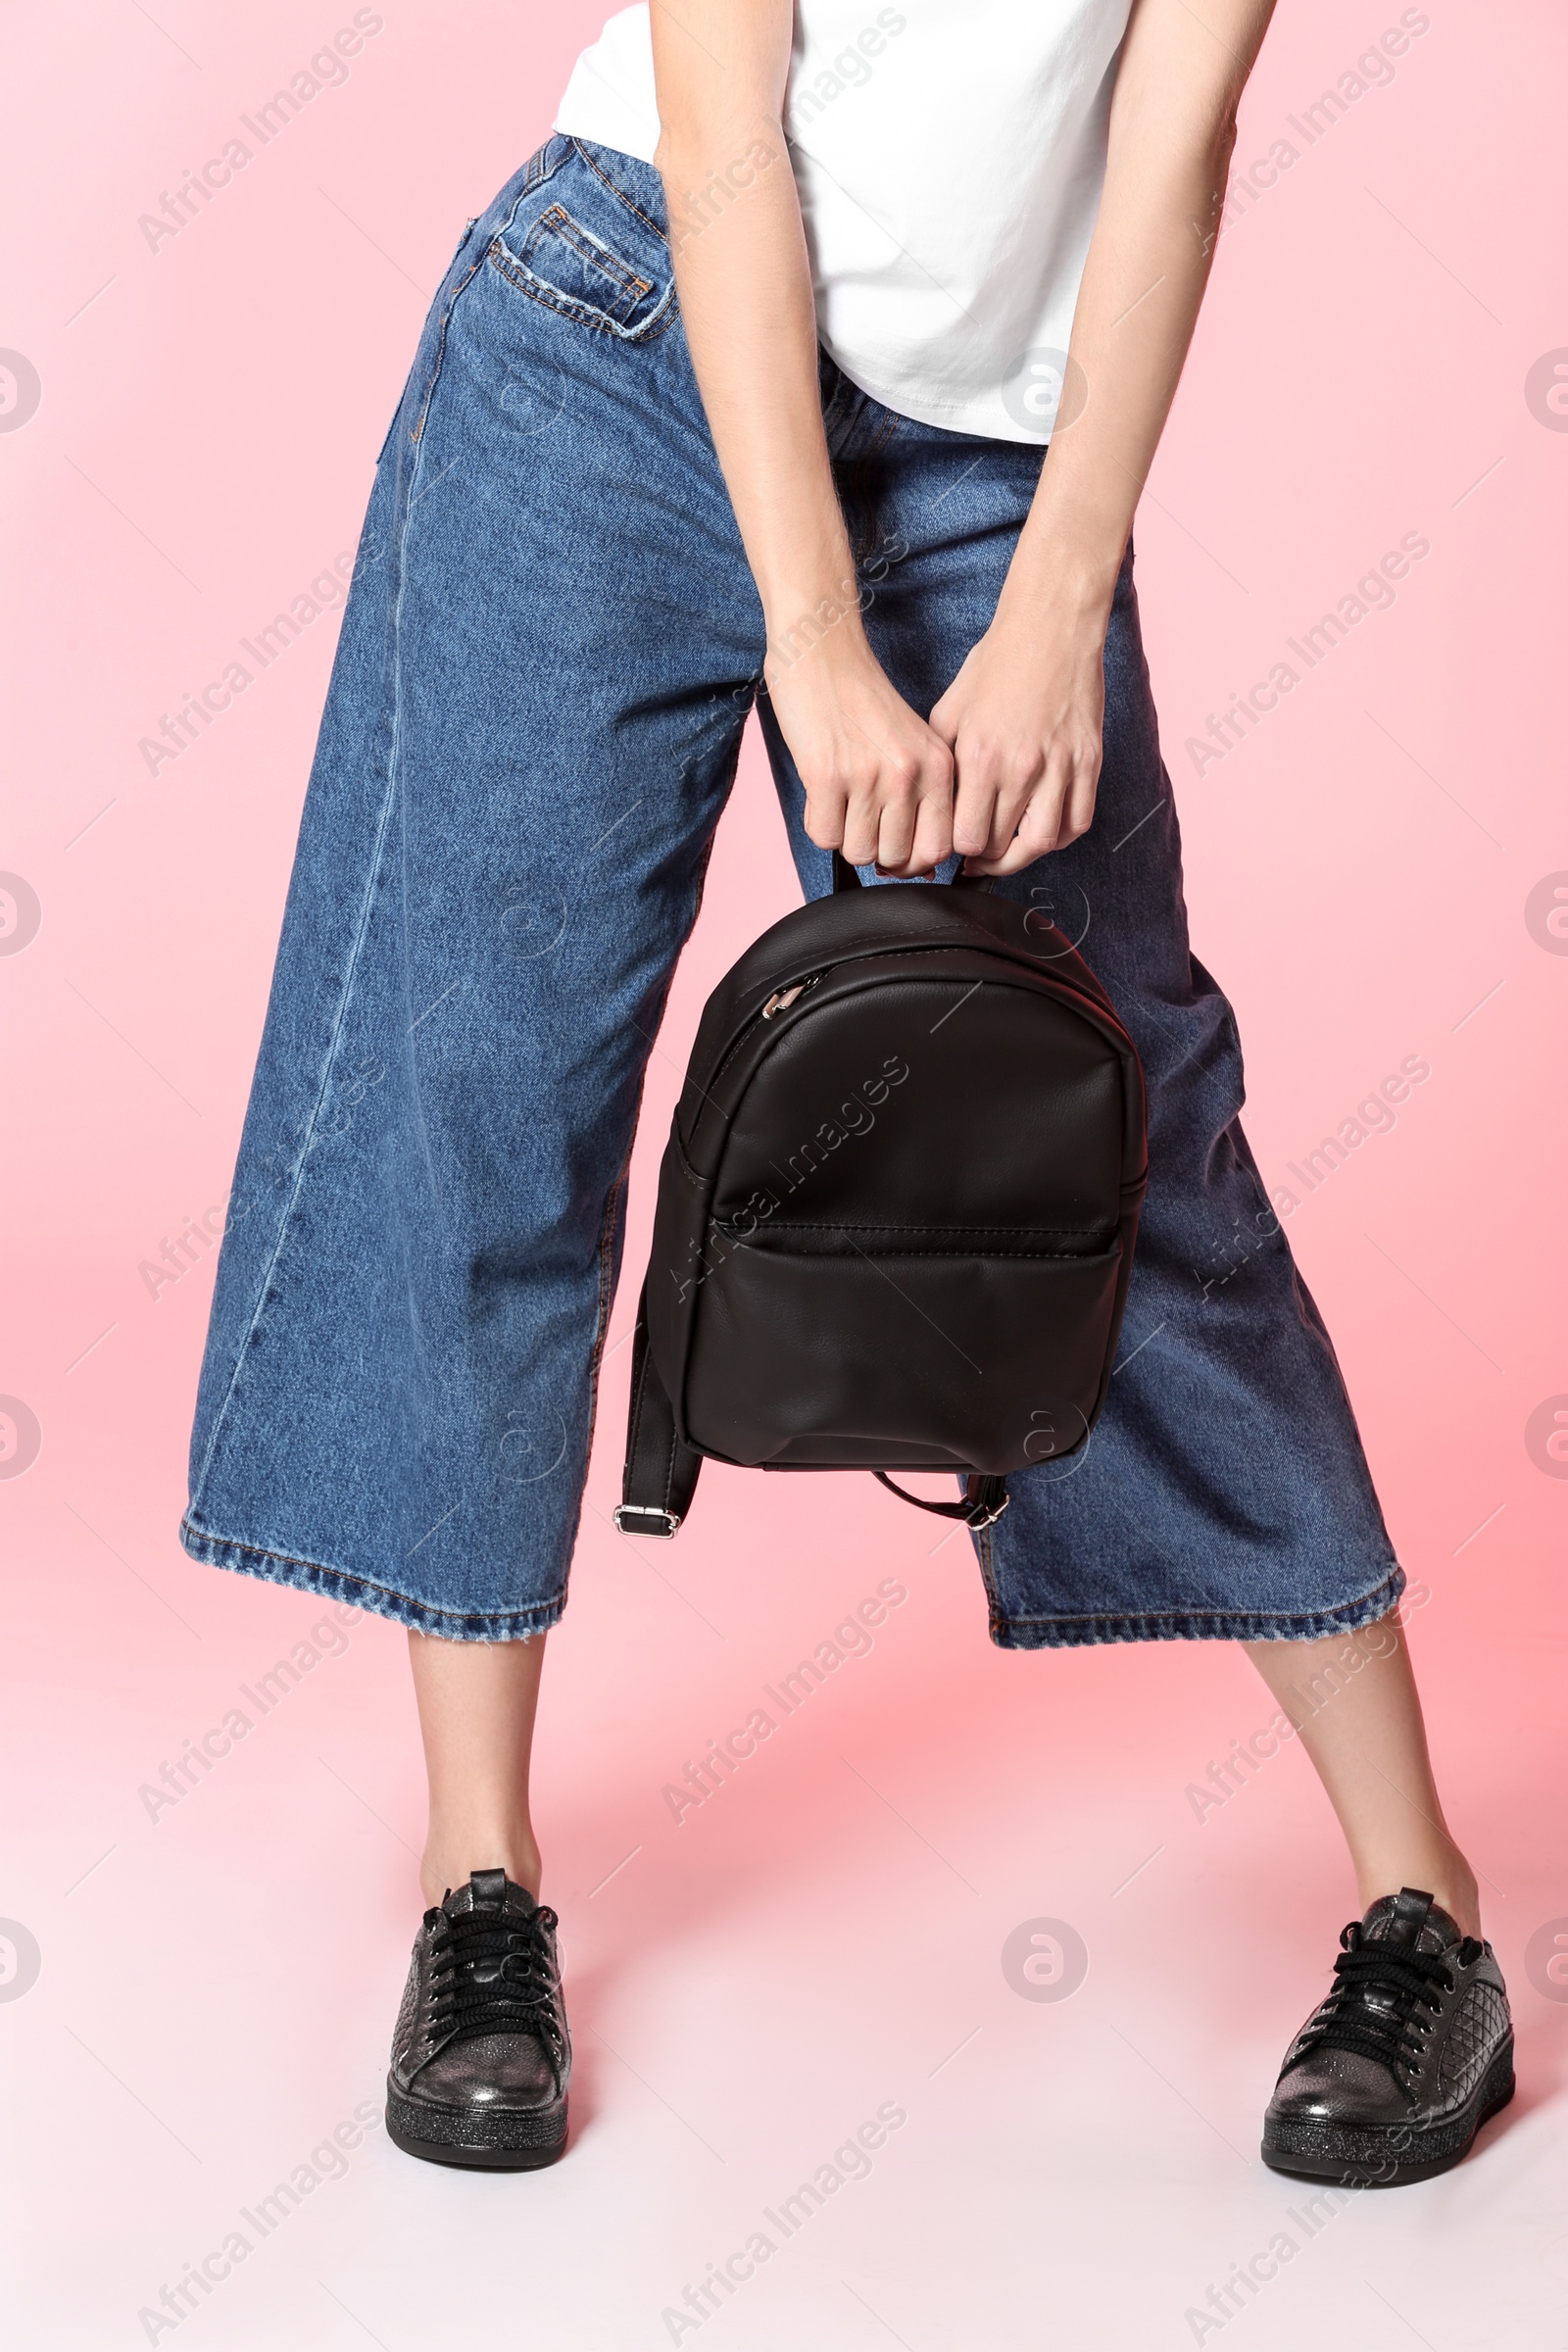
pixel 897 1210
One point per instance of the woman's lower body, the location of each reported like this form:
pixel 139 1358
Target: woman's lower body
pixel 549 652
pixel 551 648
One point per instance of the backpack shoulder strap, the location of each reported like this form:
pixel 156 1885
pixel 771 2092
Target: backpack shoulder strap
pixel 660 1475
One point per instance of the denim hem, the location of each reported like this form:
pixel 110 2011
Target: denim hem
pixel 1198 1625
pixel 339 1583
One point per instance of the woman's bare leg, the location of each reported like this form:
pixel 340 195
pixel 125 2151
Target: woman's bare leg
pixel 1352 1699
pixel 477 1704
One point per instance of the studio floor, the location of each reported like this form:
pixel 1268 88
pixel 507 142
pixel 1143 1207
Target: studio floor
pixel 833 1938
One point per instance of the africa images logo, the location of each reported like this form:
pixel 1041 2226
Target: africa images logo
pixel 20 1437
pixel 1547 391
pixel 1546 913
pixel 1049 393
pixel 1546 1437
pixel 1045 1959
pixel 19 1960
pixel 21 913
pixel 19 390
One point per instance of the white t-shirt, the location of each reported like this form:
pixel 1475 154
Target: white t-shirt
pixel 949 156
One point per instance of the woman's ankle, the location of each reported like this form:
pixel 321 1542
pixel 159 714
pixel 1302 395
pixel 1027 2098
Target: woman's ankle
pixel 452 1856
pixel 1441 1872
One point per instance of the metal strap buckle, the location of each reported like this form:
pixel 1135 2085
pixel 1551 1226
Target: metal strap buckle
pixel 979 1519
pixel 626 1513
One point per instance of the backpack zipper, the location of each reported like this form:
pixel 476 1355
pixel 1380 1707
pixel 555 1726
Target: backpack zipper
pixel 780 1002
pixel 783 998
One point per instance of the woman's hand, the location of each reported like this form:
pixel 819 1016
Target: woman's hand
pixel 1024 719
pixel 1019 728
pixel 878 780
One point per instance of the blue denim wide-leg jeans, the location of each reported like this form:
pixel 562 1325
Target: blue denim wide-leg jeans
pixel 550 651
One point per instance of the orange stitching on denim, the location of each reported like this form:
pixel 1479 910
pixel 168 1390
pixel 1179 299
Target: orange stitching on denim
pixel 885 435
pixel 365 1584
pixel 534 173
pixel 502 260
pixel 441 347
pixel 559 222
pixel 631 204
pixel 1330 1617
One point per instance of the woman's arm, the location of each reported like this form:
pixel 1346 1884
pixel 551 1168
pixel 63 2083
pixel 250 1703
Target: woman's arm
pixel 878 781
pixel 1019 727
pixel 1024 716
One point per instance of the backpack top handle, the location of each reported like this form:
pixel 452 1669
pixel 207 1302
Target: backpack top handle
pixel 846 878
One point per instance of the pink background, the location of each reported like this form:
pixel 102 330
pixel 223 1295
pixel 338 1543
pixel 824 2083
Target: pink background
pixel 217 1985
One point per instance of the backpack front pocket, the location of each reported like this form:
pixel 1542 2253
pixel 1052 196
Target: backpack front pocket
pixel 862 1352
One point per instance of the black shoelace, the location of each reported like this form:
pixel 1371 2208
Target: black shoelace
pixel 492 1974
pixel 1382 2003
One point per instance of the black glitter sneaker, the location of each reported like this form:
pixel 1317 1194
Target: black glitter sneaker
pixel 1392 2076
pixel 480 2054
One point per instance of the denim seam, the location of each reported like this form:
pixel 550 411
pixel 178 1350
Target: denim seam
pixel 265 1291
pixel 203 1543
pixel 572 233
pixel 885 434
pixel 551 298
pixel 629 286
pixel 456 290
pixel 982 1540
pixel 1219 1625
pixel 536 170
pixel 418 430
pixel 632 205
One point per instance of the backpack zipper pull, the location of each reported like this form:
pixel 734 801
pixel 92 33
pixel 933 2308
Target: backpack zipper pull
pixel 783 998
